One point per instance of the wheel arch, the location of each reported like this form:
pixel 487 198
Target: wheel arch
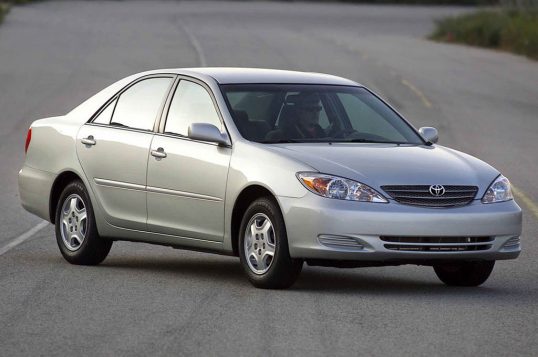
pixel 248 195
pixel 59 184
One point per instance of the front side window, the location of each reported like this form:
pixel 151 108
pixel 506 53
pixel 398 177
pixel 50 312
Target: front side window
pixel 191 104
pixel 139 105
pixel 271 113
pixel 106 114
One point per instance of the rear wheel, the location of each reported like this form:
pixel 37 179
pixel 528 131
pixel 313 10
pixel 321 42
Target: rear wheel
pixel 76 231
pixel 263 247
pixel 464 273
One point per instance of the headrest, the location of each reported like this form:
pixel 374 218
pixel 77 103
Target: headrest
pixel 303 100
pixel 241 116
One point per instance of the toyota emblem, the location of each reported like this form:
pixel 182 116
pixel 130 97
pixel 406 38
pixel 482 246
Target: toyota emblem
pixel 437 190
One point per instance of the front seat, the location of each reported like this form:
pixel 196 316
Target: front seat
pixel 288 116
pixel 251 130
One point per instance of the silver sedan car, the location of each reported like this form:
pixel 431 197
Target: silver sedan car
pixel 276 167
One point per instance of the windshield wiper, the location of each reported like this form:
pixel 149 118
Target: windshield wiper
pixel 328 140
pixel 371 141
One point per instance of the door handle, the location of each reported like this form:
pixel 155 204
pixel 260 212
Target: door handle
pixel 159 153
pixel 88 141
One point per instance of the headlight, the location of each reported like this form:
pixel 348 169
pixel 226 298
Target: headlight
pixel 498 191
pixel 339 188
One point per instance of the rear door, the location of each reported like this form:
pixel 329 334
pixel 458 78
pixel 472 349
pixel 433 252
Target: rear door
pixel 113 150
pixel 187 178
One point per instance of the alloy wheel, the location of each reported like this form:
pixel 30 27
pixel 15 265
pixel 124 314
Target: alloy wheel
pixel 74 222
pixel 260 243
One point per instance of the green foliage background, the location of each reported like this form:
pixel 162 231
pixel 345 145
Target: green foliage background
pixel 4 9
pixel 509 29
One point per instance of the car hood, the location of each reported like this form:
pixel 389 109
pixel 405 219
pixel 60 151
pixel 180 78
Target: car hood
pixel 389 164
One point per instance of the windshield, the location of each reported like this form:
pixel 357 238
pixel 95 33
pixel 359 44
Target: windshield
pixel 273 113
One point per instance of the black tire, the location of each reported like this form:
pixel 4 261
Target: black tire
pixel 93 249
pixel 283 270
pixel 464 273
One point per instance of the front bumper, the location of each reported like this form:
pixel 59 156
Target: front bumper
pixel 322 228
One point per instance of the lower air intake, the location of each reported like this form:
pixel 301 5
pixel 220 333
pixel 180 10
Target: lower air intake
pixel 512 242
pixel 340 242
pixel 437 244
pixel 437 248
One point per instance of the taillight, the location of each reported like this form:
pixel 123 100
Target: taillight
pixel 28 139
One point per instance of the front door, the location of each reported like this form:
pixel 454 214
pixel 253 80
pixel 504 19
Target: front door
pixel 186 180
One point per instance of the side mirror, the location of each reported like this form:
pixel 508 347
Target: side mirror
pixel 207 132
pixel 429 134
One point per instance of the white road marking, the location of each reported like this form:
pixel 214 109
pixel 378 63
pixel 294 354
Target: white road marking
pixel 20 239
pixel 195 44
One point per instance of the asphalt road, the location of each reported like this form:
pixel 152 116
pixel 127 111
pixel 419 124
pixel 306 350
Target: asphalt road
pixel 153 300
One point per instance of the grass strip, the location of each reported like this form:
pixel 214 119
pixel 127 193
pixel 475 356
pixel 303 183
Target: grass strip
pixel 4 9
pixel 509 30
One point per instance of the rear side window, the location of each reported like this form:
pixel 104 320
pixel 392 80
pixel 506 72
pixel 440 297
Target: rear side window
pixel 191 104
pixel 139 105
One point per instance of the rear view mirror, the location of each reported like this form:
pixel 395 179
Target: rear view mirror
pixel 429 134
pixel 207 132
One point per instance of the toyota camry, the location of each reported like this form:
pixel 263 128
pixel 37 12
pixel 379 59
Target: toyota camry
pixel 276 167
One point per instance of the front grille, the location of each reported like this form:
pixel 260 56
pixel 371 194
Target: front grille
pixel 437 244
pixel 419 195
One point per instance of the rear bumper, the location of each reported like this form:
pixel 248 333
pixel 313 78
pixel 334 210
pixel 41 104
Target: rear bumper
pixel 34 190
pixel 320 228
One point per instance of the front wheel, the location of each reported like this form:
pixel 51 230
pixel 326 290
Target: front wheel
pixel 464 273
pixel 263 247
pixel 76 231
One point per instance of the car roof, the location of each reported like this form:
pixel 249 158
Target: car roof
pixel 229 75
